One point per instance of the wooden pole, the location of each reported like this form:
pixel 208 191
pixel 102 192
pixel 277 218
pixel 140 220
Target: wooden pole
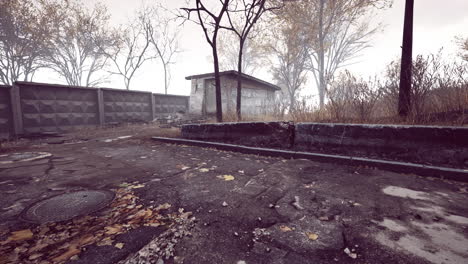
pixel 404 100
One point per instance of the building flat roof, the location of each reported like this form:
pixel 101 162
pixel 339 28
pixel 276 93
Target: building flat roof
pixel 234 73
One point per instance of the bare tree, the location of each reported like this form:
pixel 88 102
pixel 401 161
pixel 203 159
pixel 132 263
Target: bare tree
pixel 24 37
pixel 337 33
pixel 242 16
pixel 229 52
pixel 131 51
pixel 210 20
pixel 164 38
pixel 289 55
pixel 77 51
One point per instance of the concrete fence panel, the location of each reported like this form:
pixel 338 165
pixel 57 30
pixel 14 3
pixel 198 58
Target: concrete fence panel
pixel 126 106
pixel 28 107
pixel 56 108
pixel 6 119
pixel 166 104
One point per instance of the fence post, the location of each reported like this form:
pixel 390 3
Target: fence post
pixel 16 111
pixel 152 115
pixel 100 102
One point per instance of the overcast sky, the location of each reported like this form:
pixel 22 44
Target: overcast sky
pixel 436 23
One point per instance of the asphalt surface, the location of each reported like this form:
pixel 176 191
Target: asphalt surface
pixel 247 208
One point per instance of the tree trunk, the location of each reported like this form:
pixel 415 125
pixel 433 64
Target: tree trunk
pixel 165 78
pixel 291 103
pixel 239 83
pixel 127 84
pixel 321 57
pixel 219 109
pixel 404 98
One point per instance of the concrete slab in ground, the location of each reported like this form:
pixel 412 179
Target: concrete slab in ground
pixel 248 209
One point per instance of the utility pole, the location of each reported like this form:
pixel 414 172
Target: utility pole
pixel 404 100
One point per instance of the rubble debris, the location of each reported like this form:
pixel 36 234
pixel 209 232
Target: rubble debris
pixel 350 254
pixel 296 203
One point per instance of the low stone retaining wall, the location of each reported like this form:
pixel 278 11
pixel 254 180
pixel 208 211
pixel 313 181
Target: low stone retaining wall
pixel 427 144
pixel 265 134
pixel 419 144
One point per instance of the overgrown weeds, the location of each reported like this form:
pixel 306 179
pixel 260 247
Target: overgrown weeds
pixel 439 96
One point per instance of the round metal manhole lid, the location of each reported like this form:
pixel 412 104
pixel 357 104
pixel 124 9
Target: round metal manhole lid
pixel 66 206
pixel 24 156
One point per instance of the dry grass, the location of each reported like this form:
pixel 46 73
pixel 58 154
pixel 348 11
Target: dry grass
pixel 439 97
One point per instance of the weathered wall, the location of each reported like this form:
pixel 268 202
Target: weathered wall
pixel 126 106
pixel 418 144
pixel 48 108
pixel 431 144
pixel 39 107
pixel 166 104
pixel 256 100
pixel 6 122
pixel 268 134
pixel 197 97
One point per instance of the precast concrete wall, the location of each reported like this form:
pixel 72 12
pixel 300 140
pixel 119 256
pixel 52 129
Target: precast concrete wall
pixel 6 119
pixel 47 108
pixel 166 104
pixel 127 106
pixel 27 107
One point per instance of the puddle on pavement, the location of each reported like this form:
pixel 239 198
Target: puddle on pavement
pixel 391 225
pixel 406 193
pixel 437 242
pixel 457 219
pixel 423 249
pixel 444 236
pixel 441 212
pixel 444 244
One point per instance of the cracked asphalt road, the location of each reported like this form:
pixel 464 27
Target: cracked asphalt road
pixel 273 211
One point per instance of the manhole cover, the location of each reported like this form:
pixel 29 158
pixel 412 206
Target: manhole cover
pixel 25 156
pixel 66 206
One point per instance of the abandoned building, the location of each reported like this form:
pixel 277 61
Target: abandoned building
pixel 257 95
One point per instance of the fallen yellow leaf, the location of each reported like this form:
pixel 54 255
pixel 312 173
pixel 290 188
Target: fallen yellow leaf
pixel 106 242
pixel 111 230
pixel 24 234
pixel 163 206
pixel 136 186
pixel 72 251
pixel 285 228
pixel 312 236
pixel 226 177
pixel 34 256
pixel 155 224
pixel 119 245
pixel 86 240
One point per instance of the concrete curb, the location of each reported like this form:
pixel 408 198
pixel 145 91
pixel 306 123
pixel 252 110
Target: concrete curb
pixel 395 166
